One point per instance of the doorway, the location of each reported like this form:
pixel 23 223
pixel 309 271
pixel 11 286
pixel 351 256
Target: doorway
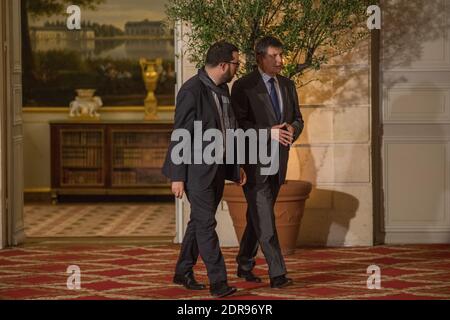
pixel 140 218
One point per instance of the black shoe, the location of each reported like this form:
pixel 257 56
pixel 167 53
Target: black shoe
pixel 221 289
pixel 248 276
pixel 188 281
pixel 280 282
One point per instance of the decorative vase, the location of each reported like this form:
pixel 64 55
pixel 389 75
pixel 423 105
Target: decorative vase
pixel 289 210
pixel 150 76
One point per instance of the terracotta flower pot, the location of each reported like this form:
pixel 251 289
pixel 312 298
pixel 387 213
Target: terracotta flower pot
pixel 289 210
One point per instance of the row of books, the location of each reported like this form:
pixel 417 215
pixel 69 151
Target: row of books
pixel 138 177
pixel 81 138
pixel 142 139
pixel 144 157
pixel 81 177
pixel 83 157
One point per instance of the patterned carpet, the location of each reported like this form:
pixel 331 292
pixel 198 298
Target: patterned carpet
pixel 103 220
pixel 145 272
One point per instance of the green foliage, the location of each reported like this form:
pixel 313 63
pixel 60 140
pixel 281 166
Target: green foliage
pixel 312 30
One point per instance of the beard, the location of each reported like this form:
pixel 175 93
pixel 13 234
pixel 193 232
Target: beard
pixel 227 77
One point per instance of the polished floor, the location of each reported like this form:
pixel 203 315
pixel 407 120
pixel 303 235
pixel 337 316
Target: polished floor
pixel 99 220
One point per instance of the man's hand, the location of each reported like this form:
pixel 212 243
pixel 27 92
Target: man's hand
pixel 243 179
pixel 178 189
pixel 291 129
pixel 282 134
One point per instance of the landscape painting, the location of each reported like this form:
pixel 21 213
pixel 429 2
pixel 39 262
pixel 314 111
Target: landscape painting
pixel 104 54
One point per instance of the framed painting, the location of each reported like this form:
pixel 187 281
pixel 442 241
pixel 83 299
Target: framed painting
pixel 107 53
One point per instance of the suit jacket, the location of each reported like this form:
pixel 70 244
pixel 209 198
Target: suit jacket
pixel 195 102
pixel 253 110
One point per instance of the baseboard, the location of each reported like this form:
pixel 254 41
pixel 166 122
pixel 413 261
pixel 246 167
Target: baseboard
pixel 431 237
pixel 157 240
pixel 37 195
pixel 44 195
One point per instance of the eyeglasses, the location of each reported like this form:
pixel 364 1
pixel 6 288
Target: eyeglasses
pixel 235 63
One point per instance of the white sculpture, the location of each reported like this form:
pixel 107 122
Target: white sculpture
pixel 85 105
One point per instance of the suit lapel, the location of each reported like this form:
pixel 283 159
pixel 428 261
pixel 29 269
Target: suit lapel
pixel 263 95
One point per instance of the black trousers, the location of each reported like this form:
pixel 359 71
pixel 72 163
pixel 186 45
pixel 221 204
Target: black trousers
pixel 260 229
pixel 201 237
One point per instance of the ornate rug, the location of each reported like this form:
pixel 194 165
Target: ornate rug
pixel 145 272
pixel 102 220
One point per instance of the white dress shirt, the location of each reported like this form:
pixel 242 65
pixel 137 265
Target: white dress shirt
pixel 266 79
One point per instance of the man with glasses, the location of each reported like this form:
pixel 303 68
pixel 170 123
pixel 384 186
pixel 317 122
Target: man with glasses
pixel 264 99
pixel 206 98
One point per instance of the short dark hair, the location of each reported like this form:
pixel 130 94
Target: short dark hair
pixel 264 43
pixel 220 52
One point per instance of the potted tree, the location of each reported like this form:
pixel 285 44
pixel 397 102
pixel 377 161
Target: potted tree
pixel 289 210
pixel 312 32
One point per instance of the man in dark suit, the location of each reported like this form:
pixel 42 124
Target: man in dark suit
pixel 265 100
pixel 206 98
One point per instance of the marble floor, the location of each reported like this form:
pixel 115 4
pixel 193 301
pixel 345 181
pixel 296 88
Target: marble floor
pixel 100 220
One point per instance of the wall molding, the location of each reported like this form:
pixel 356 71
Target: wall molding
pixel 17 102
pixel 389 224
pixel 440 118
pixel 431 65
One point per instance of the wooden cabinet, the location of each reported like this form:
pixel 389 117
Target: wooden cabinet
pixel 109 158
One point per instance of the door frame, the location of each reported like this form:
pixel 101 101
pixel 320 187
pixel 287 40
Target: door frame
pixel 377 135
pixel 8 26
pixel 3 90
pixel 11 144
pixel 179 204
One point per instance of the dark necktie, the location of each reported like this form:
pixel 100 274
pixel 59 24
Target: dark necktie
pixel 274 98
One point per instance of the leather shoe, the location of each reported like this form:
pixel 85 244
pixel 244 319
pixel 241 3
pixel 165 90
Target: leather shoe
pixel 280 282
pixel 248 276
pixel 221 289
pixel 188 281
